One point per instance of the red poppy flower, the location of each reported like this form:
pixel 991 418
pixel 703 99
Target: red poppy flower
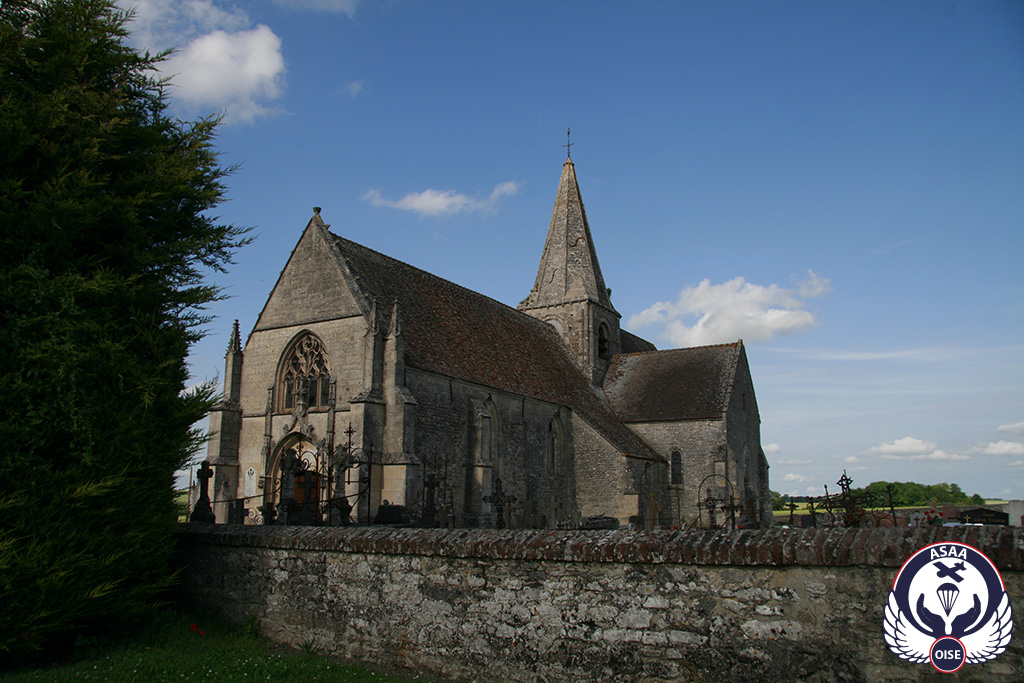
pixel 193 627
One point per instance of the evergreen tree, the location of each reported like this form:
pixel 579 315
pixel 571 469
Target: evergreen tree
pixel 105 237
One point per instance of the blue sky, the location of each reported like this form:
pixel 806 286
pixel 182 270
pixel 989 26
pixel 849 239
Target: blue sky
pixel 840 184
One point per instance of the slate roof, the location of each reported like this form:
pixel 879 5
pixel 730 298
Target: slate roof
pixel 677 384
pixel 634 344
pixel 459 333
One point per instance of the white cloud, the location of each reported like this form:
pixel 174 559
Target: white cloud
pixel 796 477
pixel 737 309
pixel 772 448
pixel 1003 448
pixel 793 461
pixel 814 286
pixel 1015 463
pixel 851 458
pixel 1014 428
pixel 443 202
pixel 221 63
pixel 159 25
pixel 908 445
pixel 340 6
pixel 910 449
pixel 354 88
pixel 934 455
pixel 233 72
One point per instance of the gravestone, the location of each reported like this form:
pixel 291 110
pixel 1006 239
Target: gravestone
pixel 203 512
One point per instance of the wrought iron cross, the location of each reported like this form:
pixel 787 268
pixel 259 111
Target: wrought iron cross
pixel 568 142
pixel 710 503
pixel 501 501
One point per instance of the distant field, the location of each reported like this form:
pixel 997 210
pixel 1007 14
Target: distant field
pixel 802 508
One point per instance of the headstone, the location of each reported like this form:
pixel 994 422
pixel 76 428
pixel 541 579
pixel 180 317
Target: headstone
pixel 237 512
pixel 984 516
pixel 391 514
pixel 599 522
pixel 442 517
pixel 203 512
pixel 340 512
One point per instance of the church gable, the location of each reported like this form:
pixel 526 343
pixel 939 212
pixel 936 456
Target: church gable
pixel 312 287
pixel 678 384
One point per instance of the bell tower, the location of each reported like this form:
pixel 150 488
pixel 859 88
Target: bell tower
pixel 570 293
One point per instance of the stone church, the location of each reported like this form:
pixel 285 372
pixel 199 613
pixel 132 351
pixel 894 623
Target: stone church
pixel 372 391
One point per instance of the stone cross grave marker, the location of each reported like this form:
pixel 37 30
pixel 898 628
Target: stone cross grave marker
pixel 202 512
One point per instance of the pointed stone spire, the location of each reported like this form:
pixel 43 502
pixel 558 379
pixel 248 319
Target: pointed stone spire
pixel 235 343
pixel 233 369
pixel 569 270
pixel 570 294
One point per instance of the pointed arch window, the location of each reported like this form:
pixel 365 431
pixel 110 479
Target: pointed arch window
pixel 306 375
pixel 677 469
pixel 488 433
pixel 554 443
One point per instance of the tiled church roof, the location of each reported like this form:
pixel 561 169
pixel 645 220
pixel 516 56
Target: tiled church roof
pixel 678 384
pixel 456 332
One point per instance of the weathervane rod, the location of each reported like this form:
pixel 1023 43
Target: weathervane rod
pixel 568 142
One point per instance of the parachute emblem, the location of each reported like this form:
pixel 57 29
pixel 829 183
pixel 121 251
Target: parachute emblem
pixel 925 606
pixel 948 593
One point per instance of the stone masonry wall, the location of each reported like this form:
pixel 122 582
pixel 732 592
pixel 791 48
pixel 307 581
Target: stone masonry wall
pixel 488 605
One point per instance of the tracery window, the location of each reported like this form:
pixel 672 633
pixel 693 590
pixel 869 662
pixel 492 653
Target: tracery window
pixel 306 375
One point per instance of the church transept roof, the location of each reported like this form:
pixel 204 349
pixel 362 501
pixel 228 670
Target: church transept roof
pixel 676 384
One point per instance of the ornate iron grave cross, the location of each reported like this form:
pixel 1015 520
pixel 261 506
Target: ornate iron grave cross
pixel 709 504
pixel 500 501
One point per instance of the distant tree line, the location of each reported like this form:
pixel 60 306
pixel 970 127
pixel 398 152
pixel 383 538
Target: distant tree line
pixel 904 494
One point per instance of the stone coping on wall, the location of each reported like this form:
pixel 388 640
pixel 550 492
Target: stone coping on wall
pixel 761 547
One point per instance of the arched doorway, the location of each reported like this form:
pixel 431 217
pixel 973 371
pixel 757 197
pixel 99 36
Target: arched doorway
pixel 309 488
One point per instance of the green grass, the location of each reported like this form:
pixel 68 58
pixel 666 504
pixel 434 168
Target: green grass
pixel 170 650
pixel 181 500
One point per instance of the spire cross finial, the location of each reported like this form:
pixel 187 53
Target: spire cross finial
pixel 568 142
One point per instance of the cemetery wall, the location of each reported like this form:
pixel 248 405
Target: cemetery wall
pixel 493 605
